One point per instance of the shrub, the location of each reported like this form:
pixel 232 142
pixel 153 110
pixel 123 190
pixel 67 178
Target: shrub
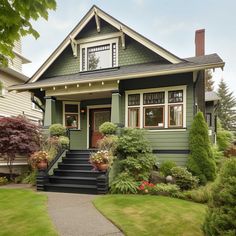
pixel 64 141
pixel 18 136
pixel 132 143
pixel 57 130
pixel 157 177
pixel 183 178
pixel 224 139
pixel 221 218
pixel 166 167
pixel 108 143
pixel 108 128
pixel 3 181
pixel 124 184
pixel 199 195
pixel 201 162
pixel 30 178
pixel 139 167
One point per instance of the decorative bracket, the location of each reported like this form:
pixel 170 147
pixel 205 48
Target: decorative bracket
pixel 122 37
pixel 97 19
pixel 74 46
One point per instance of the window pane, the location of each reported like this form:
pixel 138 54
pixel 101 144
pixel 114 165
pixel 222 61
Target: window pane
pixel 113 54
pixel 176 115
pixel 71 121
pixel 153 98
pixel 208 119
pixel 175 96
pixel 133 119
pixel 134 100
pixel 99 57
pixel 83 59
pixel 154 117
pixel 73 108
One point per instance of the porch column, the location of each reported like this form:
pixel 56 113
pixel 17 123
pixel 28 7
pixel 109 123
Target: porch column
pixel 115 108
pixel 50 109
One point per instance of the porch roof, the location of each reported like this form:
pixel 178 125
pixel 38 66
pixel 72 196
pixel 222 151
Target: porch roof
pixel 127 72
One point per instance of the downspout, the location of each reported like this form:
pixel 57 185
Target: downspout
pixel 194 94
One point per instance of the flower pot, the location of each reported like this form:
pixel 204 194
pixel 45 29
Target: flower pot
pixel 102 166
pixel 42 165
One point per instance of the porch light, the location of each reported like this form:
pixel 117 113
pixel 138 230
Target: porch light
pixel 118 81
pixel 54 88
pixel 82 111
pixel 77 85
pixel 102 83
pixel 41 89
pixel 65 87
pixel 90 84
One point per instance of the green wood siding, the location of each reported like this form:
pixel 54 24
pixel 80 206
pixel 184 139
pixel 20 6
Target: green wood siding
pixel 179 159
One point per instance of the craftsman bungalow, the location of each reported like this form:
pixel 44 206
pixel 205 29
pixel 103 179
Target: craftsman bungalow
pixel 105 71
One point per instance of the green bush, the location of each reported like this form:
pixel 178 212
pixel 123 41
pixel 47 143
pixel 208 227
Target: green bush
pixel 201 162
pixel 57 130
pixel 64 141
pixel 139 167
pixel 30 178
pixel 199 195
pixel 166 167
pixel 124 184
pixel 3 181
pixel 108 128
pixel 183 178
pixel 224 140
pixel 132 143
pixel 165 189
pixel 221 215
pixel 108 143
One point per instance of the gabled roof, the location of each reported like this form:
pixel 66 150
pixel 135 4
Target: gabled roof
pixel 128 72
pixel 115 23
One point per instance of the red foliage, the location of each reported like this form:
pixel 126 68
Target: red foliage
pixel 18 136
pixel 145 186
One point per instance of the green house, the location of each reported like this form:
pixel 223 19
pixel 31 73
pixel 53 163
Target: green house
pixel 105 71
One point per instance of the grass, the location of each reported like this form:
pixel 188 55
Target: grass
pixel 152 215
pixel 24 212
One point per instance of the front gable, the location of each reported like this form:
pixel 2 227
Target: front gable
pixel 132 48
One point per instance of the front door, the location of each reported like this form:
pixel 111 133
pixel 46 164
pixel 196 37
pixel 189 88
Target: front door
pixel 96 118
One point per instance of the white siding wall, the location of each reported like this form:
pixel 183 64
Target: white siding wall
pixel 13 104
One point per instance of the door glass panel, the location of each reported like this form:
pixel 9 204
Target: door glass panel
pixel 100 117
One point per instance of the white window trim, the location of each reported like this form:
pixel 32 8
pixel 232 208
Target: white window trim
pixel 166 109
pixel 33 107
pixel 95 44
pixel 63 113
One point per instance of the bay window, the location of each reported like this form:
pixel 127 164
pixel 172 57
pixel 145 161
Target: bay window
pixel 156 108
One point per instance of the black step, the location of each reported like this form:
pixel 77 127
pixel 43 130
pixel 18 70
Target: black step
pixel 78 173
pixel 78 155
pixel 71 188
pixel 73 180
pixel 75 160
pixel 64 166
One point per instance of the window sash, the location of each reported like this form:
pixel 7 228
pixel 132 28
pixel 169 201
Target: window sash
pixel 153 98
pixel 169 116
pixel 154 126
pixel 73 125
pixel 136 122
pixel 175 96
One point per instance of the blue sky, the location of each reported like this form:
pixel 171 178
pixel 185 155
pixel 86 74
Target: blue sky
pixel 169 23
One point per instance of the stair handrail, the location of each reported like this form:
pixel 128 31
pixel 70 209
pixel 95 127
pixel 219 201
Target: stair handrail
pixel 61 153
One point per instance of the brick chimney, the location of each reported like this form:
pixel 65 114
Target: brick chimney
pixel 200 42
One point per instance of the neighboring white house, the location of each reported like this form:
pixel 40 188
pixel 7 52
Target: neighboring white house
pixel 13 103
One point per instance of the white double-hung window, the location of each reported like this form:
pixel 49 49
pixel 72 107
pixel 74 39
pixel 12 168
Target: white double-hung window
pixel 156 108
pixel 99 55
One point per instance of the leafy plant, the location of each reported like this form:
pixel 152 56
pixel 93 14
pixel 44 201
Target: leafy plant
pixel 201 162
pixel 3 181
pixel 132 143
pixel 221 217
pixel 166 167
pixel 108 143
pixel 224 137
pixel 157 177
pixel 30 178
pixel 18 136
pixel 57 130
pixel 64 141
pixel 165 189
pixel 100 157
pixel 183 178
pixel 108 128
pixel 124 184
pixel 38 157
pixel 139 167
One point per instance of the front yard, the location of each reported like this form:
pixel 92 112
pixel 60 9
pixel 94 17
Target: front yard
pixel 24 212
pixel 152 215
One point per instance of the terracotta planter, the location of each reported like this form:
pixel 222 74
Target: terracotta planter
pixel 102 166
pixel 42 165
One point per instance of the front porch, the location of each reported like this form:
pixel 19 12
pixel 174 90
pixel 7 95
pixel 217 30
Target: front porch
pixel 83 111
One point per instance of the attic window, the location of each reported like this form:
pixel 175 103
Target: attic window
pixel 99 55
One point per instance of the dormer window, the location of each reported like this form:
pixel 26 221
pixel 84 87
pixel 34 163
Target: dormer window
pixel 99 55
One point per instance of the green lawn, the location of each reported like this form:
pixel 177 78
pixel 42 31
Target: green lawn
pixel 152 215
pixel 24 212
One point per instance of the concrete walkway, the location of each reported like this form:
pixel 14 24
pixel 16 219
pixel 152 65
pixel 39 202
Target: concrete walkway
pixel 75 215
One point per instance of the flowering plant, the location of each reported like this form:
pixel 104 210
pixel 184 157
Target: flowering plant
pixel 38 157
pixel 101 157
pixel 145 187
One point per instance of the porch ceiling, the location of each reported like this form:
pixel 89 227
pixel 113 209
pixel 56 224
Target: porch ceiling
pixel 87 96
